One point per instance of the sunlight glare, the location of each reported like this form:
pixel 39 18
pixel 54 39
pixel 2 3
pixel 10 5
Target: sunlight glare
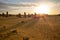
pixel 42 9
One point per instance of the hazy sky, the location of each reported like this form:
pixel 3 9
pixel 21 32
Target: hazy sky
pixel 16 6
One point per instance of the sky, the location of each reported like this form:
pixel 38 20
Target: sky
pixel 20 6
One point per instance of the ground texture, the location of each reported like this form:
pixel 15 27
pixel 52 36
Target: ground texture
pixel 43 28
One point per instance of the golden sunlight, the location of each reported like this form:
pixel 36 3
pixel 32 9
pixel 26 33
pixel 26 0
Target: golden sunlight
pixel 42 9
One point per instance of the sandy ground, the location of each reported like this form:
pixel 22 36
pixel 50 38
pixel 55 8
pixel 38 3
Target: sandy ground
pixel 43 28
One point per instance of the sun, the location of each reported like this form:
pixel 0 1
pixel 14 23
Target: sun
pixel 42 9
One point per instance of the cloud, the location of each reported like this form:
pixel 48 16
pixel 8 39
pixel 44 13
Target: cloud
pixel 55 9
pixel 3 6
pixel 17 4
pixel 55 1
pixel 9 6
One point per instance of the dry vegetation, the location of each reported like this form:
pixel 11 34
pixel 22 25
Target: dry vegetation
pixel 43 28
